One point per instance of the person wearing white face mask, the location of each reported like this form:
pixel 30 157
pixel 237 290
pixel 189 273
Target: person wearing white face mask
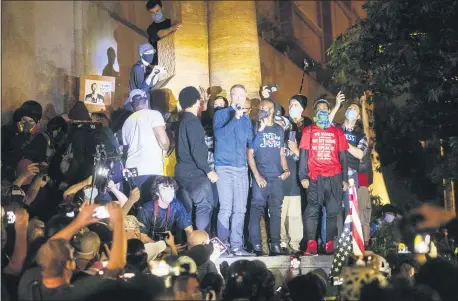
pixel 161 26
pixel 292 224
pixel 164 212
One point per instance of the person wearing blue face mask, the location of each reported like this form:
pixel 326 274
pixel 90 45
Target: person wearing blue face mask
pixel 161 26
pixel 357 150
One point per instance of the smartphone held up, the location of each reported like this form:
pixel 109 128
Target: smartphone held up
pixel 11 217
pixel 101 213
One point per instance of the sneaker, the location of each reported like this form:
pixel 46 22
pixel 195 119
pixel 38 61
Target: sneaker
pixel 240 252
pixel 329 248
pixel 312 248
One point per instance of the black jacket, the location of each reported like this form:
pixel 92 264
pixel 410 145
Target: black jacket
pixel 191 149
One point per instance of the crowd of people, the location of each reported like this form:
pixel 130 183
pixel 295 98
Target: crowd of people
pixel 90 213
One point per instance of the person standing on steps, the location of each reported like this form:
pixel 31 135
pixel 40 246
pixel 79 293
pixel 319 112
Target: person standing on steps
pixel 233 133
pixel 266 157
pixel 357 142
pixel 292 229
pixel 192 169
pixel 322 171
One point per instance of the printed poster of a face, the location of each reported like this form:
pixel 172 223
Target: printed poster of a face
pixel 97 92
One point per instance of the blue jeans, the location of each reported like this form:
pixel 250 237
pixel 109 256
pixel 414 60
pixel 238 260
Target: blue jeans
pixel 323 225
pixel 232 187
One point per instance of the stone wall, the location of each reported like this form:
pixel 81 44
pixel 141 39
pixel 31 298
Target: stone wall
pixel 46 45
pixel 233 46
pixel 185 53
pixel 277 68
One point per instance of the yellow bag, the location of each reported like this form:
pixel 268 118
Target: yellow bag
pixel 169 163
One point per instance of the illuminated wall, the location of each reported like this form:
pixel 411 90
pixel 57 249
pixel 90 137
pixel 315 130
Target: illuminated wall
pixel 34 61
pixel 46 45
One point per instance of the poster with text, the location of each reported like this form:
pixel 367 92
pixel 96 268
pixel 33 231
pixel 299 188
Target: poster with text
pixel 96 92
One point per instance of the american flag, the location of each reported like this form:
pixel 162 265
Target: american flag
pixel 345 249
pixel 350 241
pixel 357 231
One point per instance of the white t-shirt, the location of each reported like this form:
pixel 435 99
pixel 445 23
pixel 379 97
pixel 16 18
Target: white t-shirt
pixel 144 151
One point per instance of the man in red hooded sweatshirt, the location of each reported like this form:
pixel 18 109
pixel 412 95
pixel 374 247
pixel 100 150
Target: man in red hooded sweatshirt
pixel 322 159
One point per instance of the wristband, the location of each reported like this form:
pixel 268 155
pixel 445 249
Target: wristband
pixel 286 170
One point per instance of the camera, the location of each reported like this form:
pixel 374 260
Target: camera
pixel 308 65
pixel 273 87
pixel 102 168
pixel 43 169
pixel 158 236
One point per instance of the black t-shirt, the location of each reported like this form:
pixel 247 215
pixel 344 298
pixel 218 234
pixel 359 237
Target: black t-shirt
pixel 81 289
pixel 267 145
pixel 291 185
pixel 153 37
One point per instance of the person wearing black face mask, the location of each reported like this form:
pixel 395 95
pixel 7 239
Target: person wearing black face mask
pixel 267 161
pixel 143 74
pixel 43 146
pixel 25 124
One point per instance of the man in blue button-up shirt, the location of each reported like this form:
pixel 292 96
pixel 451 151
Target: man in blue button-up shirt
pixel 233 132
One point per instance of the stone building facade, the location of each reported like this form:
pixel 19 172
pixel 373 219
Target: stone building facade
pixel 47 45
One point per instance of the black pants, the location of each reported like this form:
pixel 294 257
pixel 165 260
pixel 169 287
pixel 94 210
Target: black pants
pixel 325 191
pixel 271 196
pixel 201 192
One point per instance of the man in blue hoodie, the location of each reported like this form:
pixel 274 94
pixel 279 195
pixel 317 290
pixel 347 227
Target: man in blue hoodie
pixel 233 133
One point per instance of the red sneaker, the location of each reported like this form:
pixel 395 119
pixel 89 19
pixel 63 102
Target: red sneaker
pixel 312 248
pixel 329 247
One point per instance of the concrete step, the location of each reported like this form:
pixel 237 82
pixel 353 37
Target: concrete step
pixel 282 263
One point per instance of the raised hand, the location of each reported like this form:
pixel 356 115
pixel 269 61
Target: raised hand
pixel 340 98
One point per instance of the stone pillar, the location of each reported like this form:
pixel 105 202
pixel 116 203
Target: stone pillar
pixel 234 46
pixel 79 37
pixel 184 53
